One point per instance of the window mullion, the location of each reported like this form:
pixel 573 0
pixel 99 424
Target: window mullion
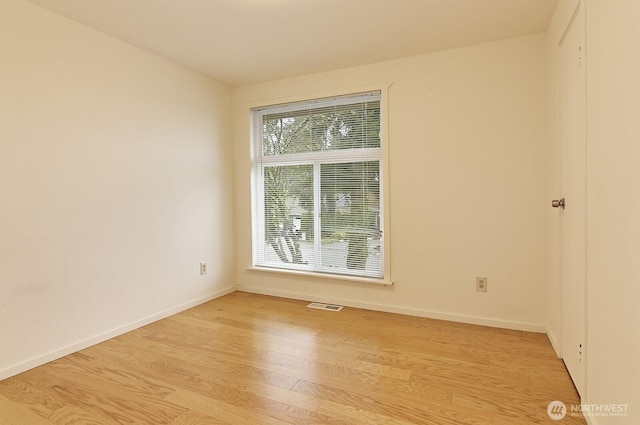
pixel 317 229
pixel 346 155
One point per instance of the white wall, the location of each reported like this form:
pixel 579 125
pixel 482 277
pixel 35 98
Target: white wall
pixel 469 194
pixel 613 211
pixel 115 182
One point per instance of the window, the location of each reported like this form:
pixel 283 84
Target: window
pixel 317 186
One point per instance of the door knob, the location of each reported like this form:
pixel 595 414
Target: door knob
pixel 558 203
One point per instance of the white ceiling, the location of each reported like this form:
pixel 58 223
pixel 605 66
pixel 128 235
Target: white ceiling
pixel 247 41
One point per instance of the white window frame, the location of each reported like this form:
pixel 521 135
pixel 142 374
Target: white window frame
pixel 316 159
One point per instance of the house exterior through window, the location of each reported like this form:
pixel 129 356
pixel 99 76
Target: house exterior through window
pixel 317 191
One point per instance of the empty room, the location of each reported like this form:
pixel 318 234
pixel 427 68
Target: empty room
pixel 247 212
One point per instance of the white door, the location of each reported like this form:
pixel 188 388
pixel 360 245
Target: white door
pixel 573 190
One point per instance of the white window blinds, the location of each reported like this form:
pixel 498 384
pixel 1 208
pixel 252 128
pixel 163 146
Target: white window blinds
pixel 317 186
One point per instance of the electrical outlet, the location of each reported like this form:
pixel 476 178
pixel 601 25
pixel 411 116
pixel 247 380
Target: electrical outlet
pixel 203 268
pixel 481 284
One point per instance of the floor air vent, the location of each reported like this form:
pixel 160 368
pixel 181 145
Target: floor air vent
pixel 329 307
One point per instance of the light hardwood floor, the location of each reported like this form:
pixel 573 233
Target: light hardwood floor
pixel 251 359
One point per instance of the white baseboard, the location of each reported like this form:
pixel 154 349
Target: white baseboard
pixel 591 420
pixel 72 348
pixel 520 326
pixel 554 342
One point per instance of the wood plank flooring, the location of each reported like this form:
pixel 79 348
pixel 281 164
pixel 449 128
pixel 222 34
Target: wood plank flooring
pixel 252 359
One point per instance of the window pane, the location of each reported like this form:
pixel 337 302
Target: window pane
pixel 288 214
pixel 350 218
pixel 316 193
pixel 350 126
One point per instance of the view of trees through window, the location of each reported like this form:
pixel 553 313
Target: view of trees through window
pixel 321 182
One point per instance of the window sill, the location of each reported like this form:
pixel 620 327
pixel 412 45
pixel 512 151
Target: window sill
pixel 325 276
